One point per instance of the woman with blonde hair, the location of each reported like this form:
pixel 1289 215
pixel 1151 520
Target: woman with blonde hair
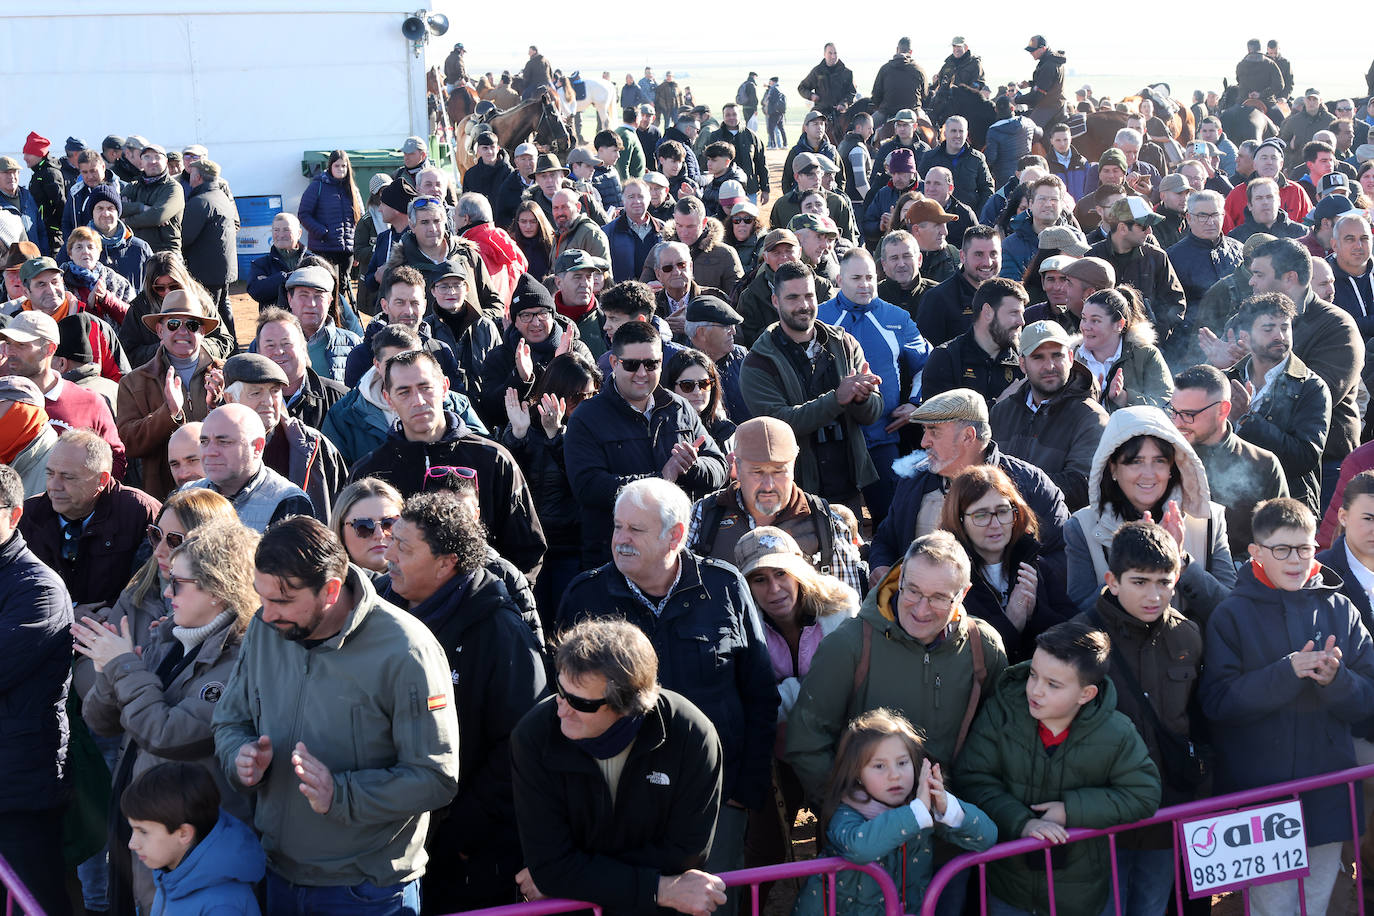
pixel 363 517
pixel 162 699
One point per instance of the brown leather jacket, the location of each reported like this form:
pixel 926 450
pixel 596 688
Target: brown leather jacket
pixel 146 424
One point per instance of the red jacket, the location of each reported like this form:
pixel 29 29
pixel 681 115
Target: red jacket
pixel 1293 200
pixel 504 260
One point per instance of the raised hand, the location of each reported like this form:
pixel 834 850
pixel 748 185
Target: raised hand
pixel 1021 602
pixel 253 759
pixel 524 364
pixel 683 458
pixel 172 393
pixel 552 409
pixel 1116 391
pixel 516 413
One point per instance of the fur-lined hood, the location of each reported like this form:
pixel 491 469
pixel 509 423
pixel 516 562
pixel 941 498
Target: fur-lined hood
pixel 1129 422
pixel 712 235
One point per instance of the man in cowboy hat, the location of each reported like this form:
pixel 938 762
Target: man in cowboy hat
pixel 179 385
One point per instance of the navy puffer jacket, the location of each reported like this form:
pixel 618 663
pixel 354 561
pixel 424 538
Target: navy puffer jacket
pixel 326 212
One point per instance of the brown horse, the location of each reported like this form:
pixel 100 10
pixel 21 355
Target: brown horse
pixel 515 125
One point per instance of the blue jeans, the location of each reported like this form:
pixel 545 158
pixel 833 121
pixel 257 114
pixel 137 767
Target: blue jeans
pixel 366 899
pixel 1147 880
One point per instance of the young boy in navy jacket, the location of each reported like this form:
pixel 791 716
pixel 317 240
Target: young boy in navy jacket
pixel 1289 670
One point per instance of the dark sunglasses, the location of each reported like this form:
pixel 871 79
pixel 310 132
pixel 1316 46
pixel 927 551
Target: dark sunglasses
pixel 192 324
pixel 690 385
pixel 742 220
pixel 178 582
pixel 156 535
pixel 441 473
pixel 366 527
pixel 634 365
pixel 581 704
pixel 164 288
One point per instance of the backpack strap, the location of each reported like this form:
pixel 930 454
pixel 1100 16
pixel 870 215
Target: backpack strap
pixel 711 514
pixel 980 675
pixel 825 532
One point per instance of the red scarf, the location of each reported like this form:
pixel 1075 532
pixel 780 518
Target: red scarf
pixel 1049 738
pixel 1264 580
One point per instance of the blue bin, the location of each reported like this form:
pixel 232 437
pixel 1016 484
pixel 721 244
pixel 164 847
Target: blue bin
pixel 255 229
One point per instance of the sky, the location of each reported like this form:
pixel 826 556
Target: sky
pixel 753 37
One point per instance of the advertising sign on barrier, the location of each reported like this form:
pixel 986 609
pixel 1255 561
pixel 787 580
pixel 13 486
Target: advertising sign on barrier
pixel 1254 846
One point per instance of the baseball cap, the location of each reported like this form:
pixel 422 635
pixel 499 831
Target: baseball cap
pixel 1310 92
pixel 579 156
pixel 9 164
pixel 526 149
pixel 113 141
pixel 765 439
pixel 1132 209
pixel 731 190
pixel 713 309
pixel 155 147
pixel 453 267
pixel 1329 208
pixel 769 548
pixel 926 210
pixel 813 115
pixel 35 266
pixel 958 40
pixel 135 142
pixel 26 327
pixel 1333 182
pixel 746 207
pixel 195 149
pixel 1037 333
pixel 1175 184
pixel 780 237
pixel 1057 262
pixel 906 114
pixel 574 259
pixel 803 161
pixel 821 224
pixel 959 404
pixel 1036 43
pixel 413 145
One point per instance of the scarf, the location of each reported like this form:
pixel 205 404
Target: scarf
pixel 1265 581
pixel 20 425
pixel 191 637
pixel 613 740
pixel 59 313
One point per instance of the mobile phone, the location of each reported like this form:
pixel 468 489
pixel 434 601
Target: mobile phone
pixel 1199 147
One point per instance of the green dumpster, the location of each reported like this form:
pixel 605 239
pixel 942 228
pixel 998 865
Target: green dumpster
pixel 367 162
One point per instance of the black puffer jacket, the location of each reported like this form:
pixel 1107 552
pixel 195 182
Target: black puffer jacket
pixel 498 373
pixel 35 620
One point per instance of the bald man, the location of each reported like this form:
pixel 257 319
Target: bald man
pixel 183 455
pixel 232 438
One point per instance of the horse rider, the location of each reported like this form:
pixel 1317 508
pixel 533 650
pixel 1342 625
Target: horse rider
pixel 961 68
pixel 1258 77
pixel 1044 95
pixel 455 72
pixel 829 87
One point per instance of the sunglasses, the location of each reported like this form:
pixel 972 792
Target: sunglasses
pixel 581 704
pixel 634 365
pixel 742 220
pixel 192 324
pixel 178 582
pixel 442 474
pixel 366 527
pixel 165 288
pixel 687 385
pixel 156 536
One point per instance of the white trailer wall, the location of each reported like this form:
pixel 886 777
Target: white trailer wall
pixel 257 83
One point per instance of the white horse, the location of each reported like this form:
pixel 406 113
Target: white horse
pixel 599 96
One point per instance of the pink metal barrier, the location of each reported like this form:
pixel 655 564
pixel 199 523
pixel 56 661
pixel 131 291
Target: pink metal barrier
pixel 1174 815
pixel 17 897
pixel 751 877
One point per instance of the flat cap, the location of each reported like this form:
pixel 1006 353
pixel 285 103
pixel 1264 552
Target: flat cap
pixel 253 369
pixel 778 237
pixel 765 439
pixel 1064 239
pixel 312 277
pixel 1095 272
pixel 20 390
pixel 713 309
pixel 959 404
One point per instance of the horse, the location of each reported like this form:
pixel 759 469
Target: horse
pixel 598 95
pixel 514 126
pixel 459 102
pixel 1180 123
pixel 838 126
pixel 1247 120
pixel 969 104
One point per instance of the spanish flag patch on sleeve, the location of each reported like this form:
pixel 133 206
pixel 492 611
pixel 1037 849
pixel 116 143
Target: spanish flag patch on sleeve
pixel 438 701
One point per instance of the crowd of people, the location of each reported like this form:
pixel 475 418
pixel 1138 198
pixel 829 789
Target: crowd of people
pixel 567 530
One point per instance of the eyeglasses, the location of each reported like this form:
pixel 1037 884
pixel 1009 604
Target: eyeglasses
pixel 1284 551
pixel 178 582
pixel 366 527
pixel 193 325
pixel 939 603
pixel 443 473
pixel 581 704
pixel 634 365
pixel 1188 416
pixel 983 517
pixel 687 385
pixel 529 315
pixel 156 536
pixel 1205 217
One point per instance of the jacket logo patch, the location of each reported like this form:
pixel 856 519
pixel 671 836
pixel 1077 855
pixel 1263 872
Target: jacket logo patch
pixel 658 779
pixel 212 691
pixel 454 674
pixel 969 373
pixel 728 522
pixel 438 701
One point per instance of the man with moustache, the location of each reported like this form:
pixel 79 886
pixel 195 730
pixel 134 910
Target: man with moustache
pixel 983 357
